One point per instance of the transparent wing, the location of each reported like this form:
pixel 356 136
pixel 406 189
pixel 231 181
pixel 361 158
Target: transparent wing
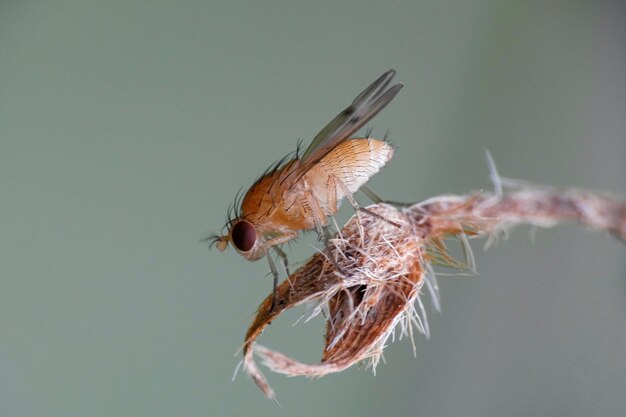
pixel 364 107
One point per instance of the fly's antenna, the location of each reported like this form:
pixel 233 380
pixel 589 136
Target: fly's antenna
pixel 220 242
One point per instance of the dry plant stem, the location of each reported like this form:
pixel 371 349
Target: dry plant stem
pixel 384 266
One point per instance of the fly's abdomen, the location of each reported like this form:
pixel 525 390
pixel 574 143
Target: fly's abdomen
pixel 352 163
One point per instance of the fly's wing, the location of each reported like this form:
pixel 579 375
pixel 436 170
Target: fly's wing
pixel 365 106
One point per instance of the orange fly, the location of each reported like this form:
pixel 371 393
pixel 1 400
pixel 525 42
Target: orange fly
pixel 300 193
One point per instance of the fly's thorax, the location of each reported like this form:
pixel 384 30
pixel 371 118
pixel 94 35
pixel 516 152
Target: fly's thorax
pixel 275 202
pixel 267 193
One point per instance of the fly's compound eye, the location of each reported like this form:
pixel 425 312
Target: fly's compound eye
pixel 243 235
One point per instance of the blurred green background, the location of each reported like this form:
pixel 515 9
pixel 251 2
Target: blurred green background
pixel 126 127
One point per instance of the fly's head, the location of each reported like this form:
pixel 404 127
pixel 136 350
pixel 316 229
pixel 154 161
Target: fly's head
pixel 245 239
pixel 242 234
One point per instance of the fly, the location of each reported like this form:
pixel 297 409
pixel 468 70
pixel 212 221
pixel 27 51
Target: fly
pixel 301 192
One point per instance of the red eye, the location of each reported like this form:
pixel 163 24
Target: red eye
pixel 243 235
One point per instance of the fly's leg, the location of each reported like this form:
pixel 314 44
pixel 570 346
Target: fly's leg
pixel 378 199
pixel 335 182
pixel 319 217
pixel 283 258
pixel 321 225
pixel 274 282
pixel 372 195
pixel 327 235
pixel 272 243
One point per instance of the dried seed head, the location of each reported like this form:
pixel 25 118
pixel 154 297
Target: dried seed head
pixel 369 277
